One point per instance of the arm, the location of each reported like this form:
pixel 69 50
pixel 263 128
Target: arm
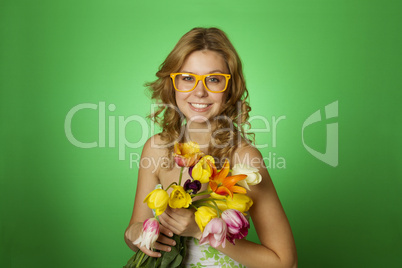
pixel 277 247
pixel 147 179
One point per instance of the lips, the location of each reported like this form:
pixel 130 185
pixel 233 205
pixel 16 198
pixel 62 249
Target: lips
pixel 199 107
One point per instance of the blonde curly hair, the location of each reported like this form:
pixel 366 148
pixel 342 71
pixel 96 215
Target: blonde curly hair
pixel 229 128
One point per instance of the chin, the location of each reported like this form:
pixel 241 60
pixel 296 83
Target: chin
pixel 198 119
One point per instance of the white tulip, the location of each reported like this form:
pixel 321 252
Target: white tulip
pixel 253 176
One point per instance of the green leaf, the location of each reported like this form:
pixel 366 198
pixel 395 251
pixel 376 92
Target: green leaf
pixel 168 257
pixel 140 257
pixel 183 250
pixel 177 239
pixel 158 262
pixel 177 261
pixel 149 263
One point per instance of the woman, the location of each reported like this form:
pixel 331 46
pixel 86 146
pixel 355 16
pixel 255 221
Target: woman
pixel 202 93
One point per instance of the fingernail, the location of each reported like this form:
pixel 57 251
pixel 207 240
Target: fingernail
pixel 169 249
pixel 174 243
pixel 170 234
pixel 159 255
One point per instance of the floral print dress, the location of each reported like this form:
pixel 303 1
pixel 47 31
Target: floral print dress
pixel 207 256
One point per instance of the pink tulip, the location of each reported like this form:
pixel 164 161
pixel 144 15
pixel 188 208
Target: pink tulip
pixel 237 224
pixel 149 234
pixel 214 233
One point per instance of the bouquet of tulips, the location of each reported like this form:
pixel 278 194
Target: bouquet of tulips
pixel 220 215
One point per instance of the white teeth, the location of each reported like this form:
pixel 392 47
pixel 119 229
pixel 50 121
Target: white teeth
pixel 200 106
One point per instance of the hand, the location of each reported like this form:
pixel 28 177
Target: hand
pixel 181 221
pixel 163 242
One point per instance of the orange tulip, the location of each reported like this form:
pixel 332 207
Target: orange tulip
pixel 223 185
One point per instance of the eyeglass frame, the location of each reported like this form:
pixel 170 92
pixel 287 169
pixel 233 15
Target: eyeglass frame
pixel 200 78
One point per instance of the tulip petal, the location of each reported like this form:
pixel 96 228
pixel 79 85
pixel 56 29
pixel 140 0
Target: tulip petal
pixel 214 233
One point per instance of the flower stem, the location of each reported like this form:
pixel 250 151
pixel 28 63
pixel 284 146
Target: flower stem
pixel 201 193
pixel 217 209
pixel 139 262
pixel 181 175
pixel 208 199
pixel 194 206
pixel 173 183
pixel 215 206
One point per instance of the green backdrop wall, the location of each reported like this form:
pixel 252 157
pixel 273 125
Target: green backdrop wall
pixel 67 206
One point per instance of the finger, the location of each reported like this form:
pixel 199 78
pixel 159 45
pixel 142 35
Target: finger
pixel 180 214
pixel 150 252
pixel 173 225
pixel 168 222
pixel 162 247
pixel 165 231
pixel 183 212
pixel 165 240
pixel 171 211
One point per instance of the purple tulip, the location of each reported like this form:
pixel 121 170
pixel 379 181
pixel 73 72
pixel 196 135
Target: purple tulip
pixel 190 171
pixel 192 185
pixel 237 224
pixel 214 233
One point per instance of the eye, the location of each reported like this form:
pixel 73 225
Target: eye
pixel 187 78
pixel 213 79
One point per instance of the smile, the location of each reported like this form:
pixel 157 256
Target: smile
pixel 199 105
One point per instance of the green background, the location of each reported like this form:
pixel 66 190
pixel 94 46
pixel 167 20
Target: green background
pixel 64 206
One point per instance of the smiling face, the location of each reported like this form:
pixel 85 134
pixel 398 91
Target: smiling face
pixel 200 104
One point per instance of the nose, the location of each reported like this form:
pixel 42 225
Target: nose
pixel 200 90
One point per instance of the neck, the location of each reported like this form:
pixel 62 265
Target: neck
pixel 200 133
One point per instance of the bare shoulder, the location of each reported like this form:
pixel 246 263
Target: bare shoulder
pixel 154 146
pixel 154 153
pixel 248 155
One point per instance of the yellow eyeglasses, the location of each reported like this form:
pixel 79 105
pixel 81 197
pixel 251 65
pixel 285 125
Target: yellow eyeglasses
pixel 186 82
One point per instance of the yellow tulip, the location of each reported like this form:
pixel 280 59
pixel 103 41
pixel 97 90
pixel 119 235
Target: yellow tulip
pixel 221 204
pixel 220 201
pixel 157 200
pixel 179 198
pixel 186 154
pixel 204 215
pixel 240 202
pixel 202 170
